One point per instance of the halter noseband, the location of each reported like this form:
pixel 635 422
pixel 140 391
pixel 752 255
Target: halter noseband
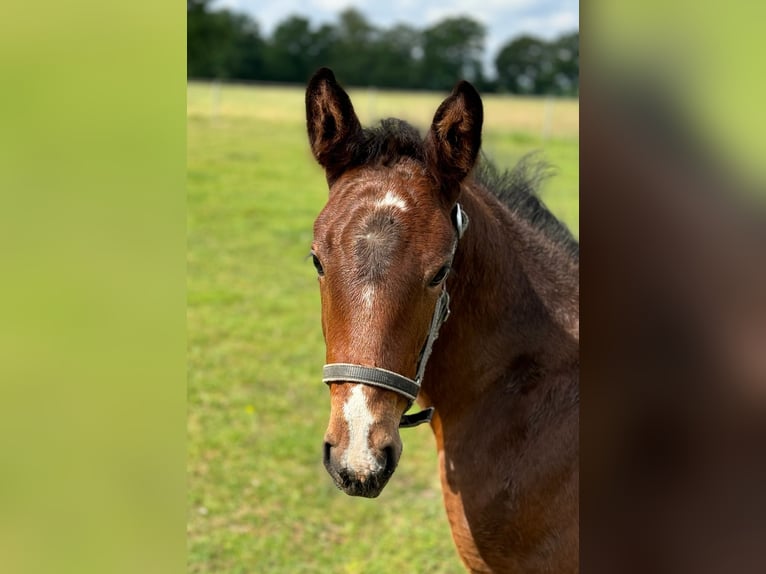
pixel 408 388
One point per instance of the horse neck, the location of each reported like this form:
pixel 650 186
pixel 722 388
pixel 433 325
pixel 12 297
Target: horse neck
pixel 514 307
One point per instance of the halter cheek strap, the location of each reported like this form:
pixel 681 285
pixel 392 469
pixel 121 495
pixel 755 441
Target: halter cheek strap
pixel 408 388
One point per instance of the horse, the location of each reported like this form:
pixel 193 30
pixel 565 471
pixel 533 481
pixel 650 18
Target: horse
pixel 445 282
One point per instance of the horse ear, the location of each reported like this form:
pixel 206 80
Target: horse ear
pixel 454 139
pixel 331 122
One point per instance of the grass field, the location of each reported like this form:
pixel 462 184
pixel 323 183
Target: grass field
pixel 259 498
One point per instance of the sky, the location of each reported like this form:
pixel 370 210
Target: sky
pixel 504 19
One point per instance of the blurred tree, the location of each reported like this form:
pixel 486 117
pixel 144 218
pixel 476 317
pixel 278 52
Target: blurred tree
pixel 322 48
pixel 202 36
pixel 452 49
pixel 529 65
pixel 353 54
pixel 226 44
pixel 397 53
pixel 289 54
pixel 519 65
pixel 245 59
pixel 221 44
pixel 566 50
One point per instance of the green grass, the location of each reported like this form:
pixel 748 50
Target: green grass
pixel 259 498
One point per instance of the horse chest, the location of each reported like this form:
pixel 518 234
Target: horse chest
pixel 475 499
pixel 499 519
pixel 461 530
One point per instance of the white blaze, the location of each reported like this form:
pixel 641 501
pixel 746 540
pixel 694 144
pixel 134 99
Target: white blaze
pixel 358 456
pixel 368 296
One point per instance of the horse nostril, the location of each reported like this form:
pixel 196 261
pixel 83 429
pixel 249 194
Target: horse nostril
pixel 390 461
pixel 326 456
pixel 346 477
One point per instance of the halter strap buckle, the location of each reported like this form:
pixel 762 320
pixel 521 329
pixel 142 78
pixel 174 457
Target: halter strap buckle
pixel 459 220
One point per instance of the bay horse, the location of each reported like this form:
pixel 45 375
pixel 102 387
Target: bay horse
pixel 395 256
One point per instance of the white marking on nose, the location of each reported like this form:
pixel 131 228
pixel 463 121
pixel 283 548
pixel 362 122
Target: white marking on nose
pixel 392 200
pixel 358 456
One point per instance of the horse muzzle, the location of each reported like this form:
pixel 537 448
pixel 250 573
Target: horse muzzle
pixel 361 475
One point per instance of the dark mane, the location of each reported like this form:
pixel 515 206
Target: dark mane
pixel 516 188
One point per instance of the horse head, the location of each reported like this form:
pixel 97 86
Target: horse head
pixel 383 247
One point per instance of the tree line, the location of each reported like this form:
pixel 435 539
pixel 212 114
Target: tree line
pixel 228 45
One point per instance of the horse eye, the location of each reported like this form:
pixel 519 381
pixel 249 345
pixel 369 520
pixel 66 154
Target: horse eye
pixel 317 264
pixel 440 275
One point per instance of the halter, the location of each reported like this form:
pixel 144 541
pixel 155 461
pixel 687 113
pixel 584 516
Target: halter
pixel 408 388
